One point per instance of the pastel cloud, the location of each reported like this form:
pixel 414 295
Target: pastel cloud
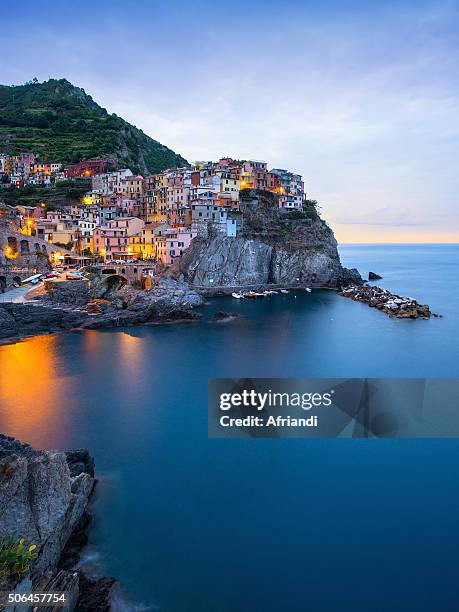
pixel 363 101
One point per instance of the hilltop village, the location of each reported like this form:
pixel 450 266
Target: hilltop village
pixel 125 217
pixel 134 250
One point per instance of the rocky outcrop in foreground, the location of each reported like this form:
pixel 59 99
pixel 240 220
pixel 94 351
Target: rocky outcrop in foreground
pixel 273 247
pixel 99 304
pixel 390 303
pixel 43 499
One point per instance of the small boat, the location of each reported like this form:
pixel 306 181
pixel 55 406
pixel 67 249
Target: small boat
pixel 274 292
pixel 308 289
pixel 249 295
pixel 283 291
pixel 238 296
pixel 31 279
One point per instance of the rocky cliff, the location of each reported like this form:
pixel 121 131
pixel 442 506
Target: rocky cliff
pixel 273 247
pixel 43 499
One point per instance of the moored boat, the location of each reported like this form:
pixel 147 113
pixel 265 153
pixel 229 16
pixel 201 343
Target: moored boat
pixel 284 291
pixel 238 296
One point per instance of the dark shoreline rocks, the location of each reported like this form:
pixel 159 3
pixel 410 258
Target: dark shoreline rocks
pixel 95 594
pixel 221 316
pixel 390 303
pixel 372 276
pixel 43 498
pixel 61 307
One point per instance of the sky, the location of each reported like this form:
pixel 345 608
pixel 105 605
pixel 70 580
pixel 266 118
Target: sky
pixel 361 98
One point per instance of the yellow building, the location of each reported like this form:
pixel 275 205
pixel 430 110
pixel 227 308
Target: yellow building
pixel 143 245
pixel 156 198
pixel 230 185
pixel 247 181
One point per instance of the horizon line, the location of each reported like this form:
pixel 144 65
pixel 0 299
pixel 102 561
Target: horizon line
pixel 400 243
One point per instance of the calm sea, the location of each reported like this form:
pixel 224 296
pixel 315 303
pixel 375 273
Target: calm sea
pixel 189 524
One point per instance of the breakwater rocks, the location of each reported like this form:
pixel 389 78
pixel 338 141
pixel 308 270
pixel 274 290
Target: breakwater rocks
pixel 43 499
pixel 390 303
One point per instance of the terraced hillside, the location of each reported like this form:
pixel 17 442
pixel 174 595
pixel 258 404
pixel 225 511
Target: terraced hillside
pixel 63 123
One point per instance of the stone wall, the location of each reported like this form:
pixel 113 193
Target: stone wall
pixel 21 256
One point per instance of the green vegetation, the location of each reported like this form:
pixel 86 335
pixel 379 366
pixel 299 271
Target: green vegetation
pixel 15 557
pixel 61 122
pixel 311 208
pixel 269 200
pixel 63 193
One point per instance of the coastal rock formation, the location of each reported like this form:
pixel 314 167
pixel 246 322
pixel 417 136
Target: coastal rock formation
pixel 222 316
pixel 43 497
pixel 62 307
pixel 274 247
pixel 226 261
pixel 40 501
pixel 168 300
pixel 22 320
pixel 95 594
pixel 74 293
pixel 390 303
pixel 373 276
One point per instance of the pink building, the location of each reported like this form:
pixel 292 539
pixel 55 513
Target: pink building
pixel 255 166
pixel 176 241
pixel 112 240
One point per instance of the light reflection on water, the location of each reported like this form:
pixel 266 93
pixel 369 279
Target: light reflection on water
pixel 225 525
pixel 33 392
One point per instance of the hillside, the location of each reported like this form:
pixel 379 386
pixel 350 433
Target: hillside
pixel 62 123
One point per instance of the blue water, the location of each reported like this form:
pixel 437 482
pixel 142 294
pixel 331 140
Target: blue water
pixel 260 525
